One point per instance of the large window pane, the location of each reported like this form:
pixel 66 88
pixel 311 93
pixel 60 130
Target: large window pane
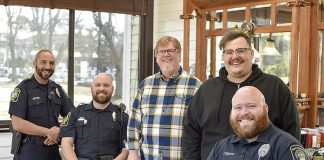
pixel 260 15
pixel 99 47
pixel 283 14
pixel 236 16
pixel 24 31
pixel 277 61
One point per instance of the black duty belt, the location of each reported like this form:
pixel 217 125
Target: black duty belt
pixel 105 157
pixel 37 140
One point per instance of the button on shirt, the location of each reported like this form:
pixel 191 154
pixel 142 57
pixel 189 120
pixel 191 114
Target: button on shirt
pixel 272 144
pixel 157 113
pixel 96 132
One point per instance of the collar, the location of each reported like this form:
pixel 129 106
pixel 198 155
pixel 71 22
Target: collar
pixel 111 107
pixel 264 137
pixel 36 84
pixel 175 77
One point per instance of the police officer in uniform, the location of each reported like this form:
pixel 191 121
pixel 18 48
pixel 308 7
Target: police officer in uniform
pixel 256 137
pixel 35 105
pixel 97 130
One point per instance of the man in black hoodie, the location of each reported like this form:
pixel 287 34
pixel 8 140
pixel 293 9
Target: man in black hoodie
pixel 206 121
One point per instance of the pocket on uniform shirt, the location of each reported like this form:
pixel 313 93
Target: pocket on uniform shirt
pixel 57 103
pixel 37 108
pixel 81 128
pixel 111 131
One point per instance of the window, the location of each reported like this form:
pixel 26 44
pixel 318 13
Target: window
pixel 24 32
pixel 260 15
pixel 98 48
pixel 236 16
pixel 102 44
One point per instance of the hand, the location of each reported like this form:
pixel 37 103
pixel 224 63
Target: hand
pixel 133 155
pixel 52 136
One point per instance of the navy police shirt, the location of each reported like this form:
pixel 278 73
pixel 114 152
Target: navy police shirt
pixel 40 104
pixel 96 132
pixel 272 144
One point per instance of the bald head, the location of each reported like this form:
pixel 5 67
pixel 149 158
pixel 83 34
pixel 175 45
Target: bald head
pixel 103 76
pixel 248 94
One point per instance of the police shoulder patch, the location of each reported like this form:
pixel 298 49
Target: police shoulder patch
pixel 298 152
pixel 15 95
pixel 66 119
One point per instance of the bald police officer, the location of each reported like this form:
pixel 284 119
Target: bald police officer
pixel 255 136
pixel 98 129
pixel 35 105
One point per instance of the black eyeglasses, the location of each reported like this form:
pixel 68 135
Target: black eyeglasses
pixel 239 51
pixel 170 51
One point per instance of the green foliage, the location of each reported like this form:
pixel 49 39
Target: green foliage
pixel 280 68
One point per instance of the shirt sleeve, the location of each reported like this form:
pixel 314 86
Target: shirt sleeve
pixel 213 154
pixel 18 102
pixel 192 133
pixel 135 124
pixel 67 104
pixel 295 151
pixel 290 120
pixel 68 125
pixel 124 129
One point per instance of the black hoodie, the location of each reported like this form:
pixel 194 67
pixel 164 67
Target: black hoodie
pixel 207 118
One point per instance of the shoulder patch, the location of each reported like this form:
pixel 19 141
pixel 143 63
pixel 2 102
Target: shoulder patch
pixel 66 119
pixel 298 152
pixel 15 95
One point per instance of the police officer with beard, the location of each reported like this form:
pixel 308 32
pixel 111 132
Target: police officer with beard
pixel 97 130
pixel 255 136
pixel 35 105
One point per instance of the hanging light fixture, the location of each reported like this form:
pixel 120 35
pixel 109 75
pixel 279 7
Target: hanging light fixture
pixel 270 48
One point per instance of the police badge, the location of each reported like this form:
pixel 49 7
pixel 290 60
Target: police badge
pixel 263 150
pixel 114 116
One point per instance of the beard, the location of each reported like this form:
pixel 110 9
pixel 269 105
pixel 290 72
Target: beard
pixel 43 75
pixel 100 98
pixel 247 132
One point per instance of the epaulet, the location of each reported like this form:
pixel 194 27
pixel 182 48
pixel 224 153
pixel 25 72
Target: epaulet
pixel 82 104
pixel 23 82
pixel 51 81
pixel 26 80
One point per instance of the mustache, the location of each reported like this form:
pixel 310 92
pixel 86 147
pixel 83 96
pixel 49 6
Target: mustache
pixel 104 92
pixel 248 116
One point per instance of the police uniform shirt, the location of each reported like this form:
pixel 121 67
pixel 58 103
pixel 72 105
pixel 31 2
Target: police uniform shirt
pixel 272 144
pixel 96 132
pixel 39 104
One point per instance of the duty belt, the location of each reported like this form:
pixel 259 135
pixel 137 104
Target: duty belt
pixel 106 157
pixel 37 140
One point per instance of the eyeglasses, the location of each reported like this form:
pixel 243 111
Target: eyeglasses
pixel 239 51
pixel 170 51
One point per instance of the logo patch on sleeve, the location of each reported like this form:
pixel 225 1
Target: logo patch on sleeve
pixel 66 119
pixel 15 95
pixel 298 152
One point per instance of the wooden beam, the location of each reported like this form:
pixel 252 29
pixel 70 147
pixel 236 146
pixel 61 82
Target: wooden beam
pixel 135 7
pixel 314 60
pixel 212 52
pixel 187 10
pixel 294 48
pixel 147 65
